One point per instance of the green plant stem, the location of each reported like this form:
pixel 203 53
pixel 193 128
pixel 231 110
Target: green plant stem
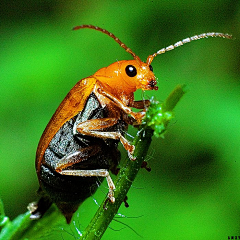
pixel 127 174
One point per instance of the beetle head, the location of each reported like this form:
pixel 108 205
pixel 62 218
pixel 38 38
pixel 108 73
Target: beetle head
pixel 125 77
pixel 136 74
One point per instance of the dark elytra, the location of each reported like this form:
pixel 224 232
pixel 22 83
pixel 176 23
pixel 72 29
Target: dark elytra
pixel 69 191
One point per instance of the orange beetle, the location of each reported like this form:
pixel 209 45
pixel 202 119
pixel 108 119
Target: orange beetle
pixel 79 144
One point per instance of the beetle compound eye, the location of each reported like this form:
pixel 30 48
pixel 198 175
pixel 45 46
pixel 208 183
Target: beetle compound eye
pixel 151 68
pixel 131 71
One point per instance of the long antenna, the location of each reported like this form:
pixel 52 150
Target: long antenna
pixel 187 40
pixel 110 35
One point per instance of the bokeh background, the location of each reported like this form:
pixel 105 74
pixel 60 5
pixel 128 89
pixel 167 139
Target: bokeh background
pixel 193 190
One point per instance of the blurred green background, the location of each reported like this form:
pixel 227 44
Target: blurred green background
pixel 193 191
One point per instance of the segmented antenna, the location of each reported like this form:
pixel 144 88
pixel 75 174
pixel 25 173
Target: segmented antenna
pixel 187 40
pixel 110 35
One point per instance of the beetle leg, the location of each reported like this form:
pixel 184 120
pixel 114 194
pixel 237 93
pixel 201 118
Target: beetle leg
pixel 38 209
pixel 118 103
pixel 142 104
pixel 145 165
pixel 91 127
pixel 94 173
pixel 96 124
pixel 125 202
pixel 76 157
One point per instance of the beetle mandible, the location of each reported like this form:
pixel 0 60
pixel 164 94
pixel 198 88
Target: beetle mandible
pixel 79 145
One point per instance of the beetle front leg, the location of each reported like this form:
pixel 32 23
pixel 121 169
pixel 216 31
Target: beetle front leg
pixel 141 104
pixel 137 116
pixel 94 173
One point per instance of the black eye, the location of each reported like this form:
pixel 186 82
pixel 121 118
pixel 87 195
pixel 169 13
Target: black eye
pixel 131 71
pixel 151 68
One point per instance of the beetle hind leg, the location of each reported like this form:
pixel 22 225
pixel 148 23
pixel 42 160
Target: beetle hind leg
pixel 94 173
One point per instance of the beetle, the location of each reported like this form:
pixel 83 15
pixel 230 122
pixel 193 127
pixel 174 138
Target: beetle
pixel 78 147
